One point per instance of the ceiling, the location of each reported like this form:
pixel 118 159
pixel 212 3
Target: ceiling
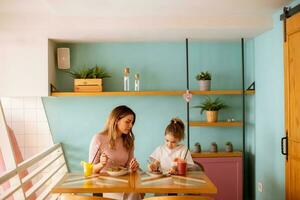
pixel 139 20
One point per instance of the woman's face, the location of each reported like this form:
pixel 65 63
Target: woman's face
pixel 125 124
pixel 170 141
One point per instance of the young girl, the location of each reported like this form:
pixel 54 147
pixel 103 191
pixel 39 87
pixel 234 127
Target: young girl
pixel 114 146
pixel 165 155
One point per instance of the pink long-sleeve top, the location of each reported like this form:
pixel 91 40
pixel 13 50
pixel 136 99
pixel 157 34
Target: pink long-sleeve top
pixel 119 156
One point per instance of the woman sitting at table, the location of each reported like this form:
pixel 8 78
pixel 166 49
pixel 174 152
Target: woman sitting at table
pixel 167 154
pixel 114 147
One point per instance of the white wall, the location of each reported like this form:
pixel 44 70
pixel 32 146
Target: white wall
pixel 23 63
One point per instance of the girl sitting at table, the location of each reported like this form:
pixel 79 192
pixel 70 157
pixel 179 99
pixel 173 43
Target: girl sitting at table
pixel 114 147
pixel 165 156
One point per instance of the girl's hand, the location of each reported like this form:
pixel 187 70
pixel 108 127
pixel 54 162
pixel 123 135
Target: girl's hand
pixel 172 170
pixel 133 165
pixel 154 166
pixel 103 159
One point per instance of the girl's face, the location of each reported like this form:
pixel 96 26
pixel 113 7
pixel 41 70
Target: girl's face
pixel 125 124
pixel 170 141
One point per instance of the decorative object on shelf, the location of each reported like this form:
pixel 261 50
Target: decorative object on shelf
pixel 63 58
pixel 88 79
pixel 231 120
pixel 187 96
pixel 213 147
pixel 228 147
pixel 136 82
pixel 197 147
pixel 126 79
pixel 211 107
pixel 204 79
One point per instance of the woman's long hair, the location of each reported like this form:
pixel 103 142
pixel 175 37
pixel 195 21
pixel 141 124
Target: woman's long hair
pixel 111 127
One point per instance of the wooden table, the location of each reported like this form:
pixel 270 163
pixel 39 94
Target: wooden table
pixel 100 183
pixel 194 183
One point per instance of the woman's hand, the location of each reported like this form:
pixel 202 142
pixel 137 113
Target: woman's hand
pixel 103 159
pixel 133 165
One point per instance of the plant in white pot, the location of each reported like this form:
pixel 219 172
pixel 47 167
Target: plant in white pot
pixel 88 79
pixel 204 79
pixel 228 147
pixel 211 107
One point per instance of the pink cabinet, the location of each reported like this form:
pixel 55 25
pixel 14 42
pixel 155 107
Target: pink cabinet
pixel 227 174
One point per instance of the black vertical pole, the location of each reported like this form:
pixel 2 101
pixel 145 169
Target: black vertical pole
pixel 244 121
pixel 187 87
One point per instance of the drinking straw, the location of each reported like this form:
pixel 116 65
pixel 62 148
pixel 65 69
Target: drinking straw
pixel 96 154
pixel 185 154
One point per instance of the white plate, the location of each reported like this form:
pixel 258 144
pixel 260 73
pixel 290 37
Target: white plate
pixel 118 173
pixel 156 175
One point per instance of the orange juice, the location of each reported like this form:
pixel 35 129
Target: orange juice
pixel 87 168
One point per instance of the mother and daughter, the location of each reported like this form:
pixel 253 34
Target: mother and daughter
pixel 114 146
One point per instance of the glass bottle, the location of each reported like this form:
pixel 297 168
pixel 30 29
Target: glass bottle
pixel 137 82
pixel 126 79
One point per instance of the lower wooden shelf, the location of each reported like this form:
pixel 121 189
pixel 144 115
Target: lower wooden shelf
pixel 217 154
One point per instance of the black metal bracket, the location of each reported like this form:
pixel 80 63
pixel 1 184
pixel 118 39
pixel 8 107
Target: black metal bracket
pixel 53 88
pixel 285 16
pixel 252 86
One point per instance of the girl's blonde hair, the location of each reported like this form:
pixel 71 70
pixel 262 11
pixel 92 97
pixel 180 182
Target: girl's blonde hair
pixel 111 127
pixel 175 128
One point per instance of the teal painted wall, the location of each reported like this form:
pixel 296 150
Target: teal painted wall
pixel 269 111
pixel 74 120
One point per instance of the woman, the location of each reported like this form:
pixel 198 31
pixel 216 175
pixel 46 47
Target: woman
pixel 114 146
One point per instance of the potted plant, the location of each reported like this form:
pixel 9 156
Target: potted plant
pixel 211 107
pixel 213 147
pixel 88 79
pixel 228 147
pixel 204 79
pixel 197 148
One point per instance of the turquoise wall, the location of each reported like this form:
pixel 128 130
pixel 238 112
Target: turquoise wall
pixel 74 120
pixel 269 111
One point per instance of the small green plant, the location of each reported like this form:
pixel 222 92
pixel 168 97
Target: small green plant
pixel 87 73
pixel 203 76
pixel 213 144
pixel 211 105
pixel 228 143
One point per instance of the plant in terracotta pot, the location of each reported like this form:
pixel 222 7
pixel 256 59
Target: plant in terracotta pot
pixel 213 147
pixel 228 147
pixel 204 79
pixel 211 106
pixel 88 79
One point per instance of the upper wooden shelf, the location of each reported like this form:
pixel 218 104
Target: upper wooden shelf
pixel 222 123
pixel 217 154
pixel 152 93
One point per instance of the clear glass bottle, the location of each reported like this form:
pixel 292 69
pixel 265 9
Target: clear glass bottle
pixel 137 82
pixel 126 79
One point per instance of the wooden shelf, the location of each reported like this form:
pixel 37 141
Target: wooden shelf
pixel 216 92
pixel 218 154
pixel 151 93
pixel 222 124
pixel 129 93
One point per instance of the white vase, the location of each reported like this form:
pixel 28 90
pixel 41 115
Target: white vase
pixel 204 85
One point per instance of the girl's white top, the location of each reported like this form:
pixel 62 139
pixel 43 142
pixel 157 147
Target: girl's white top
pixel 166 156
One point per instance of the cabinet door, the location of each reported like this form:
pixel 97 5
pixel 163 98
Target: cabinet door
pixel 226 174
